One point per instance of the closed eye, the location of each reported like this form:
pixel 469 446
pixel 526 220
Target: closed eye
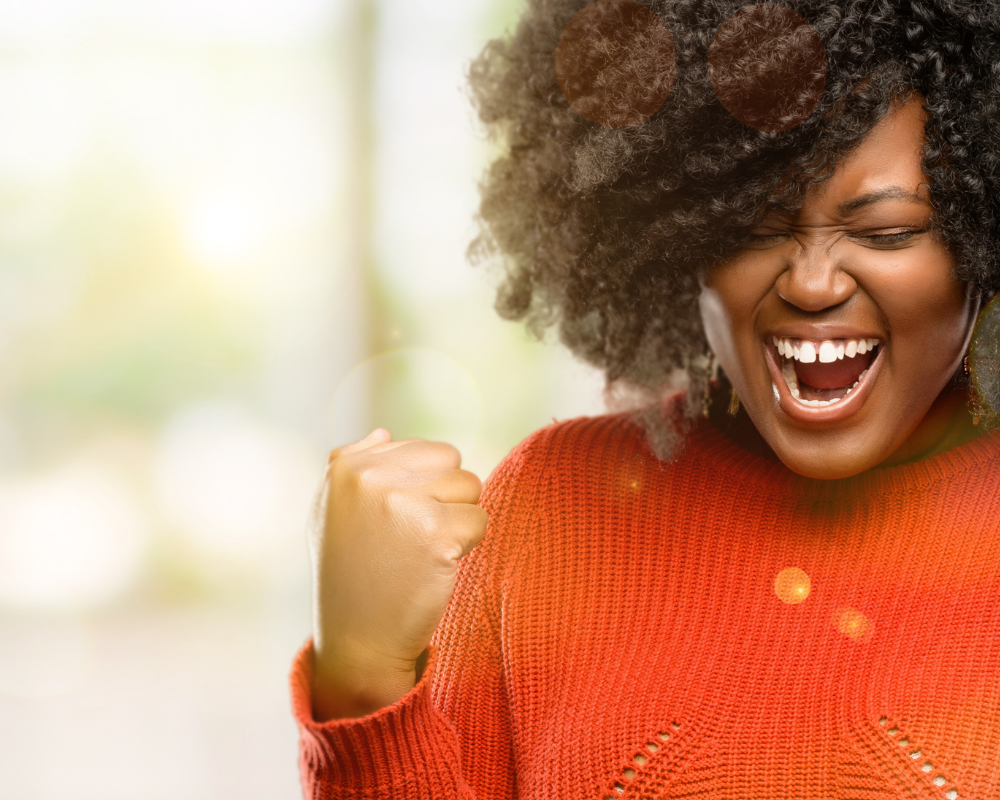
pixel 886 241
pixel 762 240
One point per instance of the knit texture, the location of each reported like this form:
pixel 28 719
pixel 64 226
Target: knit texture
pixel 718 627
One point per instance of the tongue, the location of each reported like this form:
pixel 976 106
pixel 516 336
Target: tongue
pixel 839 374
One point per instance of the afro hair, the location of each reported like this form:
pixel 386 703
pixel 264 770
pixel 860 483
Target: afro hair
pixel 603 227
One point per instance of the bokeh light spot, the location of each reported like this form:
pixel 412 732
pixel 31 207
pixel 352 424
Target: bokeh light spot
pixel 853 624
pixel 615 63
pixel 627 480
pixel 225 231
pixel 792 585
pixel 72 538
pixel 768 67
pixel 232 485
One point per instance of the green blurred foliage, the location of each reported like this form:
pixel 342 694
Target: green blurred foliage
pixel 142 329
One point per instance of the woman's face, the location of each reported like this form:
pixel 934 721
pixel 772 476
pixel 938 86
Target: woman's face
pixel 841 324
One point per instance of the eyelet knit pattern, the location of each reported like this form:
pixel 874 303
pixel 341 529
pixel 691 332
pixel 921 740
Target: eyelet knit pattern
pixel 718 627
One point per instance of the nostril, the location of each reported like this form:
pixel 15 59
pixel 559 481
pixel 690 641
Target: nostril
pixel 814 287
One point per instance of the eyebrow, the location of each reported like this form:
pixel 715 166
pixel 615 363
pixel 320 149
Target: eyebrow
pixel 889 193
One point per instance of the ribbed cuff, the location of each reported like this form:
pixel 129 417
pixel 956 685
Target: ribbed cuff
pixel 405 750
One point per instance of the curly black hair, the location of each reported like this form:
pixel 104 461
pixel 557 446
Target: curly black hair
pixel 604 230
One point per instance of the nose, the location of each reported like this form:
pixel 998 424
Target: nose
pixel 813 279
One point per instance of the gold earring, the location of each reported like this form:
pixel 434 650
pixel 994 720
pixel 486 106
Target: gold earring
pixel 734 403
pixel 967 369
pixel 706 399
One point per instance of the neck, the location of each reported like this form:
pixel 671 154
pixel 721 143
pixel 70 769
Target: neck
pixel 738 427
pixel 947 424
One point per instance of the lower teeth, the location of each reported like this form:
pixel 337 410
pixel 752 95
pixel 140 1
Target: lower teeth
pixel 788 373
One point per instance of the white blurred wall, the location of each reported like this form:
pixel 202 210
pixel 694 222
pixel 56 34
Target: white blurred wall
pixel 185 329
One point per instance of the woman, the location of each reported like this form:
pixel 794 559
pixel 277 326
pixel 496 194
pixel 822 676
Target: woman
pixel 783 582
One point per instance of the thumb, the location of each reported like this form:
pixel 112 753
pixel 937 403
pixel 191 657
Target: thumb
pixel 377 436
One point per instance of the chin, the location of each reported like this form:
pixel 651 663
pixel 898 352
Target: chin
pixel 813 455
pixel 823 469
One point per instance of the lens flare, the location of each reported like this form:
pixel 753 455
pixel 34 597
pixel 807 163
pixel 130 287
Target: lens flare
pixel 412 392
pixel 232 485
pixel 853 624
pixel 615 63
pixel 768 67
pixel 71 538
pixel 792 586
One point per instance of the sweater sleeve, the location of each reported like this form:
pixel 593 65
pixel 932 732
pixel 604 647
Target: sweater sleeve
pixel 450 736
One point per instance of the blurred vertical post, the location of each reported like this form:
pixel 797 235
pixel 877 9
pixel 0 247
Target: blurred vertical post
pixel 361 37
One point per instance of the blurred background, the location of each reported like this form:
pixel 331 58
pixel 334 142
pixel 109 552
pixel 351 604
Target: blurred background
pixel 232 236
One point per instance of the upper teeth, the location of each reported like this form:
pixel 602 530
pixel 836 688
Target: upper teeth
pixel 826 351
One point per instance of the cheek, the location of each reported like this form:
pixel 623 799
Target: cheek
pixel 928 316
pixel 728 304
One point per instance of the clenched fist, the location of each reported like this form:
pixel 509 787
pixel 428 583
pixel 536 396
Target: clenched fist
pixel 391 522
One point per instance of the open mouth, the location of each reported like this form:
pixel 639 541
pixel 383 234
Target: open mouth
pixel 823 373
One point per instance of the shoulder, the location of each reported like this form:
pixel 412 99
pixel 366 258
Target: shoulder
pixel 562 452
pixel 540 490
pixel 570 478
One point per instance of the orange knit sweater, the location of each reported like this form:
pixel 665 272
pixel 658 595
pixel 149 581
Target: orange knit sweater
pixel 714 628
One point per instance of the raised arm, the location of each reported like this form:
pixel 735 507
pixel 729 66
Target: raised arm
pixel 392 523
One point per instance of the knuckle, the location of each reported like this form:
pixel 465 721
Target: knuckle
pixel 397 503
pixel 344 477
pixel 447 551
pixel 364 468
pixel 470 527
pixel 475 486
pixel 445 452
pixel 447 447
pixel 479 526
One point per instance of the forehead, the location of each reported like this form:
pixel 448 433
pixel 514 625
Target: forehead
pixel 889 157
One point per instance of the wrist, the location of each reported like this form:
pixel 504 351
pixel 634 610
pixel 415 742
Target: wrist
pixel 350 685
